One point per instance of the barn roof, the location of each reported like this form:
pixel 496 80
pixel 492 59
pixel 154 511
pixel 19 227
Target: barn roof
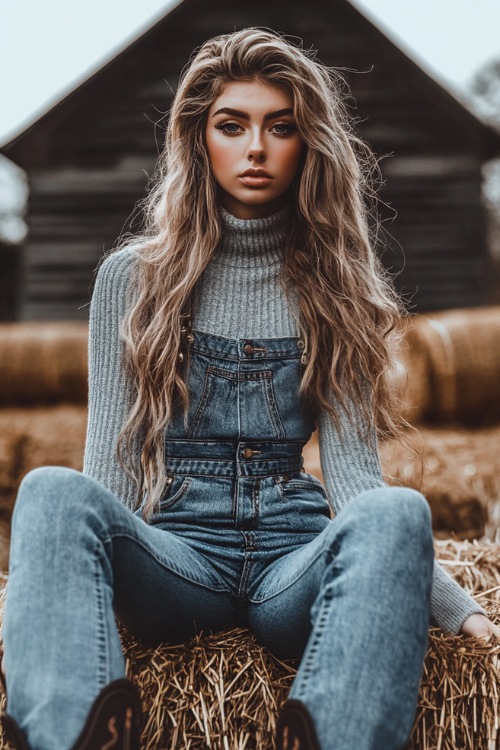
pixel 24 148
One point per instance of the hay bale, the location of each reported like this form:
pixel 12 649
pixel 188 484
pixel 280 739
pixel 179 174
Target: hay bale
pixel 223 691
pixel 411 379
pixel 458 471
pixel 474 564
pixel 43 362
pixel 220 691
pixel 41 436
pixel 458 703
pixel 460 353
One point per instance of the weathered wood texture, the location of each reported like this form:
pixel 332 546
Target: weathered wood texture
pixel 10 265
pixel 89 158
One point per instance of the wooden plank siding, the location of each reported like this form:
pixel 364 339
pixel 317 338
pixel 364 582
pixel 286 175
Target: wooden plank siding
pixel 10 257
pixel 73 211
pixel 89 160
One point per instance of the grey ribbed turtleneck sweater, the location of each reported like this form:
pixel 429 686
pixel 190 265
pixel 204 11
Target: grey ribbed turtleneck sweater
pixel 238 295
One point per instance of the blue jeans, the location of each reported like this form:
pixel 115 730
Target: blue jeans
pixel 243 536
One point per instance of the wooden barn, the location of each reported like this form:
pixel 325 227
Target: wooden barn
pixel 89 157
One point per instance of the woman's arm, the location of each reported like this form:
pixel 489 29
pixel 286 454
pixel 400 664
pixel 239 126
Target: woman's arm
pixel 109 394
pixel 351 465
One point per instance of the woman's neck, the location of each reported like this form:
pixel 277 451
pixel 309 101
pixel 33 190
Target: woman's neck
pixel 239 293
pixel 253 242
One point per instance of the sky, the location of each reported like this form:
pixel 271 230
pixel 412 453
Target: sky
pixel 47 48
pixel 451 39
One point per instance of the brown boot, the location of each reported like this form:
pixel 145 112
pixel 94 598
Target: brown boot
pixel 113 722
pixel 295 728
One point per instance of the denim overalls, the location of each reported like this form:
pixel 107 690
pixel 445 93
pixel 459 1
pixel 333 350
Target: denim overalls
pixel 237 490
pixel 243 537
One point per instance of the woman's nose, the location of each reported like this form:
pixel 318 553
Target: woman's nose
pixel 256 149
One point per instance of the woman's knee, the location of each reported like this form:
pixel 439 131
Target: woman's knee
pixel 50 490
pixel 409 518
pixel 413 507
pixel 400 508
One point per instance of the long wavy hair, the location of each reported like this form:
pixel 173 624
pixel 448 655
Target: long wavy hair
pixel 347 305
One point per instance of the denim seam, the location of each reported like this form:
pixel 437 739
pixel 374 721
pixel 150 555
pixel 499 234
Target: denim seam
pixel 247 565
pixel 280 354
pixel 240 376
pixel 256 501
pixel 102 640
pixel 213 354
pixel 309 658
pixel 292 582
pixel 278 480
pixel 234 504
pixel 172 569
pixel 282 466
pixel 273 409
pixel 304 484
pixel 201 406
pixel 169 502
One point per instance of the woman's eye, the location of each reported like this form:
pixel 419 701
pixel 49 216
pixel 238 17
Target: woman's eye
pixel 285 128
pixel 229 128
pixel 281 129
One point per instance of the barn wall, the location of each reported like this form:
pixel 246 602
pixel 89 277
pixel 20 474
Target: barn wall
pixel 10 264
pixel 100 155
pixel 76 214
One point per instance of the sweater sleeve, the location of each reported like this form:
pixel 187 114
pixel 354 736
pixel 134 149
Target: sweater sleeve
pixel 351 465
pixel 109 393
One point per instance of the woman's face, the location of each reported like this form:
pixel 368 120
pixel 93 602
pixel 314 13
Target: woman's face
pixel 251 126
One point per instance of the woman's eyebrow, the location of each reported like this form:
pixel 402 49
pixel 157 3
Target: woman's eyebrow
pixel 245 115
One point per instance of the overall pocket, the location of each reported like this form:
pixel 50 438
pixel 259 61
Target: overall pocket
pixel 289 483
pixel 178 485
pixel 306 500
pixel 228 396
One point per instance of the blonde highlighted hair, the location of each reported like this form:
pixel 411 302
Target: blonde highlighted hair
pixel 347 304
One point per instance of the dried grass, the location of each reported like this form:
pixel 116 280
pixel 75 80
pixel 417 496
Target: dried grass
pixel 220 691
pixel 459 695
pixel 458 471
pixel 40 436
pixel 223 691
pixel 455 354
pixel 475 565
pixel 459 701
pixel 43 362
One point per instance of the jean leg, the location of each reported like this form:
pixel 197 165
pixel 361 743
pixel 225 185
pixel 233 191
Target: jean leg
pixel 77 556
pixel 360 595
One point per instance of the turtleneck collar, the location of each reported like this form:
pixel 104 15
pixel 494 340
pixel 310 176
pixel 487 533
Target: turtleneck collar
pixel 248 243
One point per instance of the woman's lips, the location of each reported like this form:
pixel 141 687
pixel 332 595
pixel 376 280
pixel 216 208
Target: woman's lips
pixel 253 181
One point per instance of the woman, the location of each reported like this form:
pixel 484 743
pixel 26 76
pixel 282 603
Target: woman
pixel 251 309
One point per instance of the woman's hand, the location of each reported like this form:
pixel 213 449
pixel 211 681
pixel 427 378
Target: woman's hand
pixel 480 627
